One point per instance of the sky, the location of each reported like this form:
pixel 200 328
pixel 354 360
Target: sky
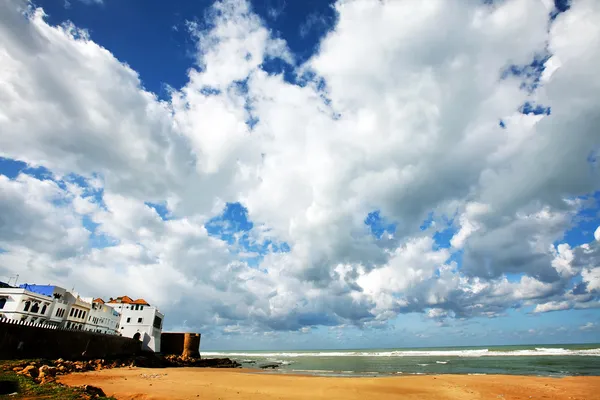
pixel 281 174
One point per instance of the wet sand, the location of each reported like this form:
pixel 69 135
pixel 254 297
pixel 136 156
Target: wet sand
pixel 209 384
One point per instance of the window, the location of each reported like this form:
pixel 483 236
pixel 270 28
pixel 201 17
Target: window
pixel 141 307
pixel 84 314
pixel 44 309
pixel 2 303
pixel 157 322
pixel 72 312
pixel 128 319
pixel 35 308
pixel 27 304
pixel 139 320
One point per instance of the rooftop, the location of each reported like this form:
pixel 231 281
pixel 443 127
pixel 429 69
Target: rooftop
pixel 128 300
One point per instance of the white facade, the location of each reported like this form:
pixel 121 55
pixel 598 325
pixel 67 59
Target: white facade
pixel 102 318
pixel 22 305
pixel 140 321
pixel 79 311
pixel 47 304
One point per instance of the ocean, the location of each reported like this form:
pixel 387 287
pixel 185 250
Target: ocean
pixel 540 360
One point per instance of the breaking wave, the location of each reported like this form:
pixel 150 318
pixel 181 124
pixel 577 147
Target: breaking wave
pixel 538 351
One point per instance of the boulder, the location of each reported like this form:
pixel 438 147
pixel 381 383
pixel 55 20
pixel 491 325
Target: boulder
pixel 269 365
pixel 47 370
pixel 93 391
pixel 30 371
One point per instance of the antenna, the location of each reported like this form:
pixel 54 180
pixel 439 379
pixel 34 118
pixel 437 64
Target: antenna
pixel 16 279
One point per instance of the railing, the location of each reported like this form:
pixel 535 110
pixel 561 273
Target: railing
pixel 8 321
pixel 26 323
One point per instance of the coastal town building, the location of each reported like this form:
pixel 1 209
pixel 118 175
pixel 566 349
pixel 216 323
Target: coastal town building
pixel 79 311
pixel 139 320
pixel 68 309
pixel 59 303
pixel 102 318
pixel 20 304
pixel 53 305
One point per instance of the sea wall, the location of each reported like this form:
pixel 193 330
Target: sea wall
pixel 21 341
pixel 181 344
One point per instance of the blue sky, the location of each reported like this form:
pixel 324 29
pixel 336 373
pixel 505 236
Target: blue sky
pixel 310 174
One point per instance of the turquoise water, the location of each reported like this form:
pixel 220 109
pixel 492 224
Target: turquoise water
pixel 541 360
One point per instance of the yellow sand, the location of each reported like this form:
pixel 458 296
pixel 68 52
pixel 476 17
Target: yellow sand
pixel 208 384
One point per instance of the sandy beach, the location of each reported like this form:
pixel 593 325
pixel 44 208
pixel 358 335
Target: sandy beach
pixel 209 384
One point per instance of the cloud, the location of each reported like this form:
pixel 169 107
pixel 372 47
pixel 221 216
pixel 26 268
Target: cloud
pixel 590 326
pixel 402 119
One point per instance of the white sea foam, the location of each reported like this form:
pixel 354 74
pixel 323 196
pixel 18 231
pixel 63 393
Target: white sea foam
pixel 441 362
pixel 540 351
pixel 280 362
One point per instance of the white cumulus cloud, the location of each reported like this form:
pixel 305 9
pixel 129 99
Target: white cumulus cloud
pixel 397 117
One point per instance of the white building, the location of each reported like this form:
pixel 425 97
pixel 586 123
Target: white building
pixel 54 305
pixel 65 309
pixel 78 312
pixel 102 318
pixel 139 320
pixel 23 305
pixel 61 307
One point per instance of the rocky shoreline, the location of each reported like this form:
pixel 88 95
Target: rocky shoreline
pixel 44 371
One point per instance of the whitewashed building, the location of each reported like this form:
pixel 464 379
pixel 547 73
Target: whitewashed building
pixel 48 304
pixel 23 305
pixel 102 318
pixel 79 311
pixel 139 320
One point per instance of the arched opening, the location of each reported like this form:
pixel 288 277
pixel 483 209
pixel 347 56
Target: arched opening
pixel 2 303
pixel 137 336
pixel 43 309
pixel 27 305
pixel 35 307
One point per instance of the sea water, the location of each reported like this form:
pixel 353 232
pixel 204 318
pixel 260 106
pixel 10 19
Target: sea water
pixel 541 360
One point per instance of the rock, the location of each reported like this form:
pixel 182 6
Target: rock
pixel 93 391
pixel 17 369
pixel 269 365
pixel 43 378
pixel 30 371
pixel 60 361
